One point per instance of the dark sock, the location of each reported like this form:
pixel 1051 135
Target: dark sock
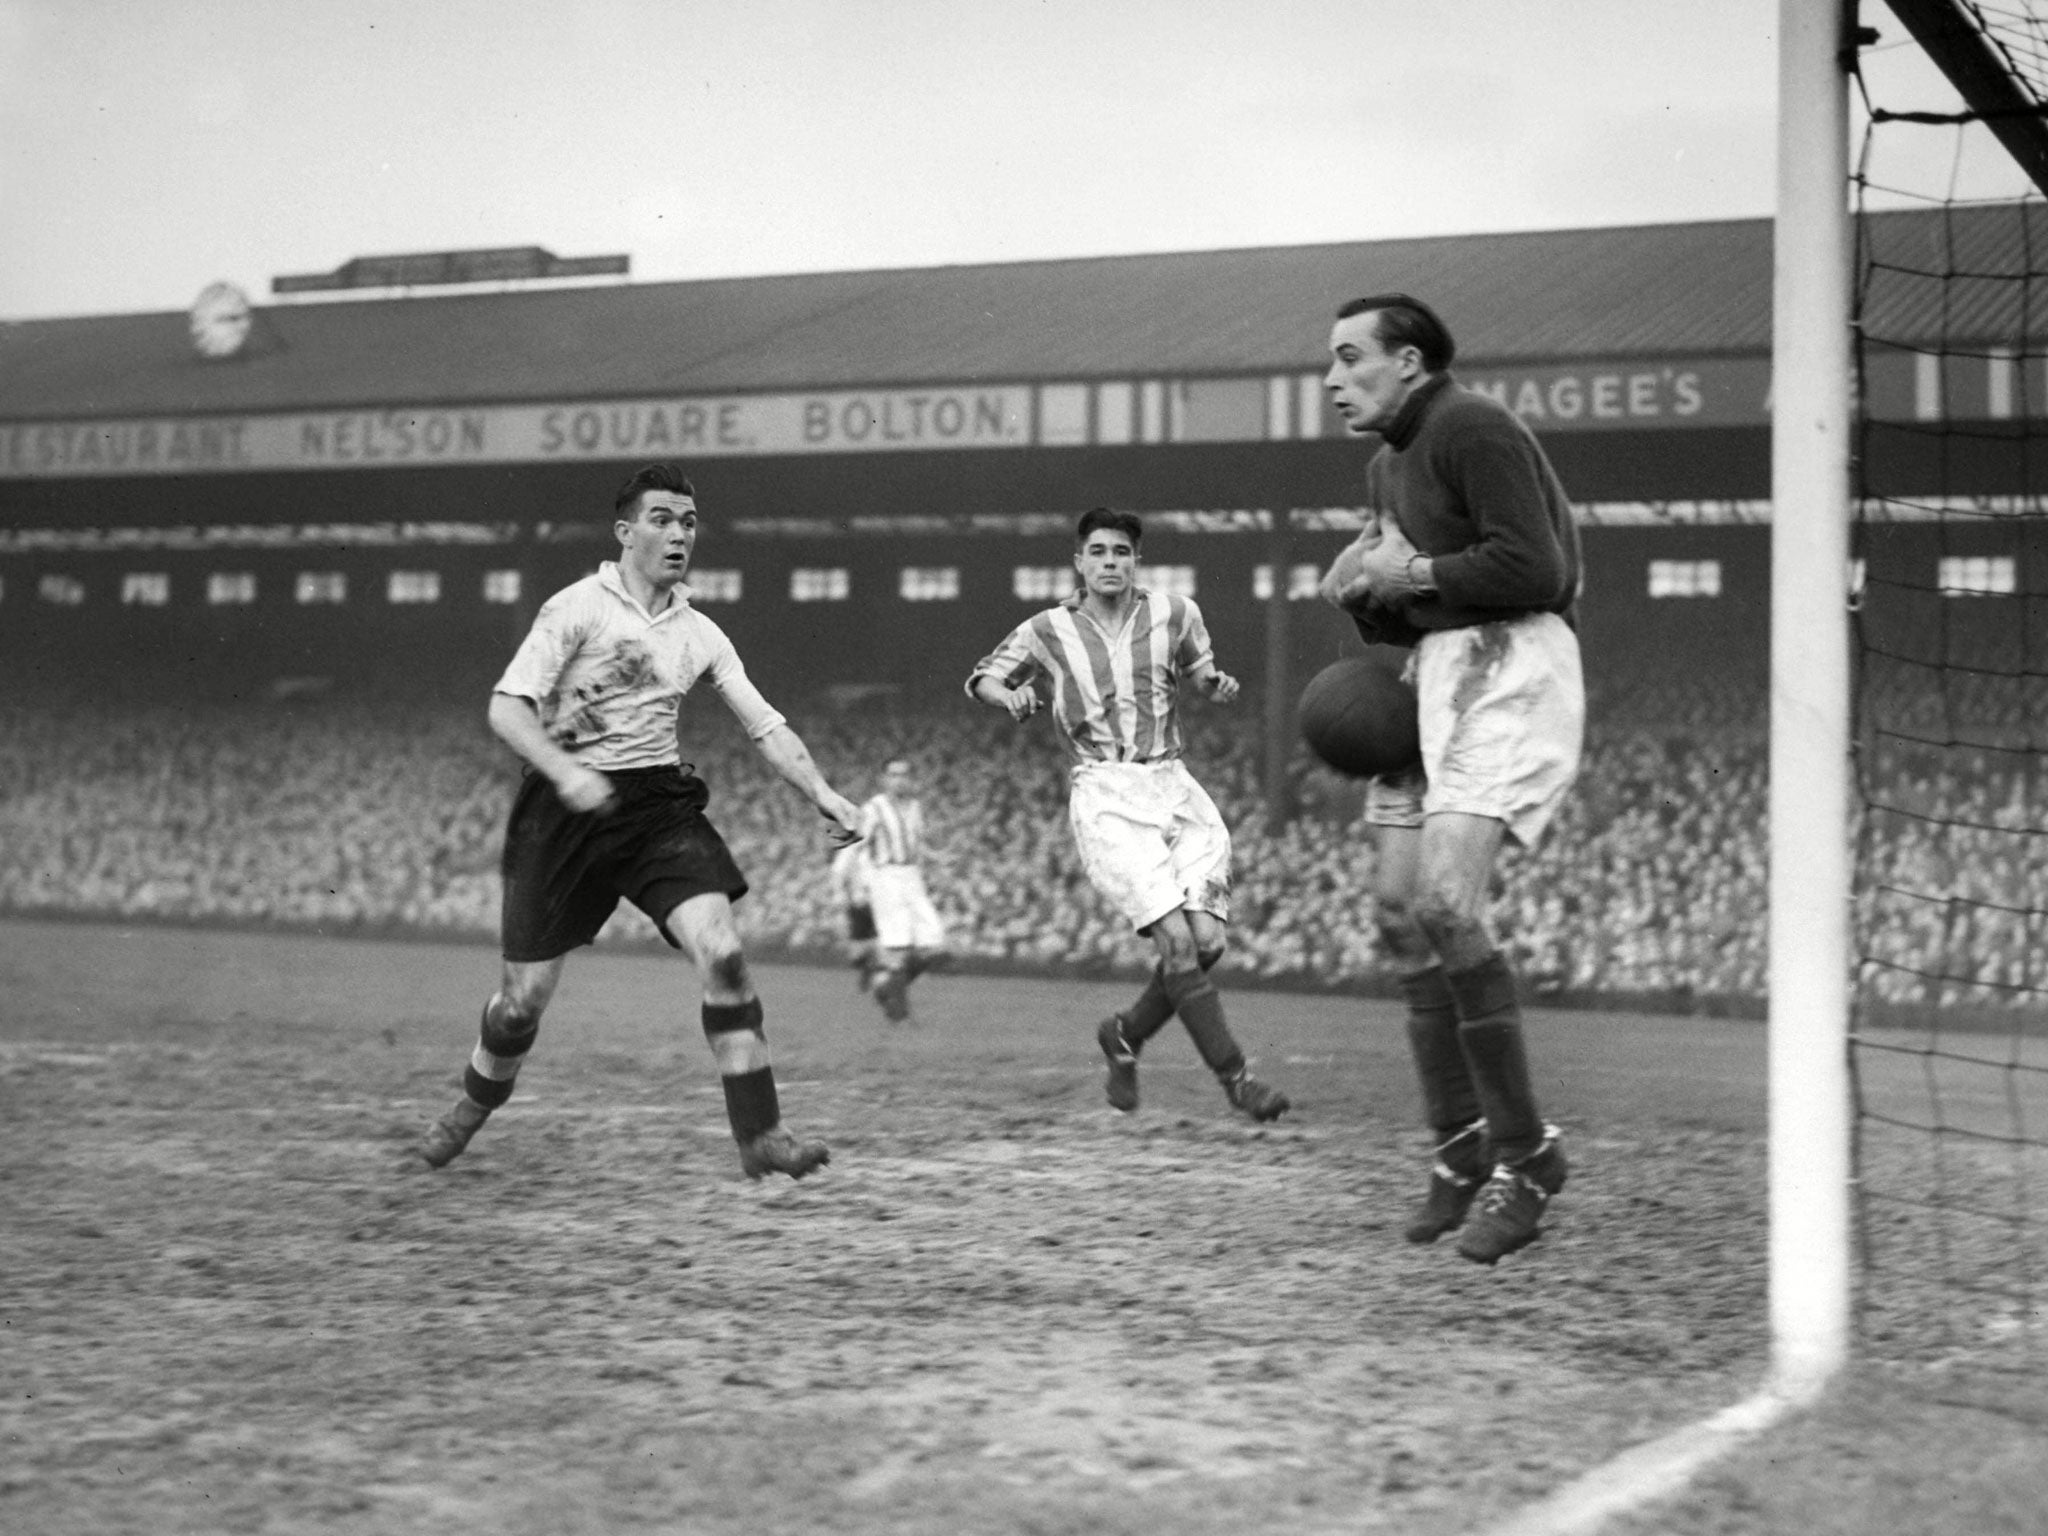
pixel 1200 1007
pixel 1490 1030
pixel 751 1103
pixel 1449 1100
pixel 1148 1015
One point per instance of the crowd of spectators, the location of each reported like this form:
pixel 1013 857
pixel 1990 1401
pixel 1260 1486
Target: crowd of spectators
pixel 346 815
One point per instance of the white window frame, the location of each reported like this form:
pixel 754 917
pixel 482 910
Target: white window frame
pixel 1684 579
pixel 145 589
pixel 1977 576
pixel 820 584
pixel 230 588
pixel 929 583
pixel 715 586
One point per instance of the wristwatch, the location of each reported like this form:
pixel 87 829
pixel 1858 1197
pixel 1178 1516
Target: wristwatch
pixel 1422 588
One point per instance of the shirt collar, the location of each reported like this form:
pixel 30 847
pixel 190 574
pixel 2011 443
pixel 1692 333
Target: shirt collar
pixel 1400 432
pixel 609 578
pixel 1079 595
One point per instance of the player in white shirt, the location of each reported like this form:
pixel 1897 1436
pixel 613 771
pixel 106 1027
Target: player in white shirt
pixel 608 809
pixel 909 933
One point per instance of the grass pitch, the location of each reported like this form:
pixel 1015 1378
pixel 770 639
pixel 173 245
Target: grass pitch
pixel 232 1301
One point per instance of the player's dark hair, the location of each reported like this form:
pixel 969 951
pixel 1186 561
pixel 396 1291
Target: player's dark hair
pixel 652 477
pixel 1400 321
pixel 1125 523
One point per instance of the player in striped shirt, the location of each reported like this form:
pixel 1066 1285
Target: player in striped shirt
pixel 910 937
pixel 1150 838
pixel 848 875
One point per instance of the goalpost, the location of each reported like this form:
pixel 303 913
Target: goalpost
pixel 1809 1157
pixel 1909 683
pixel 1909 392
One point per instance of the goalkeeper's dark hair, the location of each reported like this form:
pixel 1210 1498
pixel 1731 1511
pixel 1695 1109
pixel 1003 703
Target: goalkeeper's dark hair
pixel 1125 523
pixel 651 477
pixel 1401 321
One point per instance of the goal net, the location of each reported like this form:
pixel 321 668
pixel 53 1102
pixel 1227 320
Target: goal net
pixel 1949 713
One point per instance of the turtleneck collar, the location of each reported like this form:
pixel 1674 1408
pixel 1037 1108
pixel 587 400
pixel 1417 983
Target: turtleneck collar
pixel 1400 432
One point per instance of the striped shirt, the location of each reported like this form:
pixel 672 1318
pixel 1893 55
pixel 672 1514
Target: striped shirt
pixel 1115 696
pixel 892 831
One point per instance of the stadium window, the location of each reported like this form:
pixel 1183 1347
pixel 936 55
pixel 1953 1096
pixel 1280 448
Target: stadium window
pixel 818 584
pixel 714 586
pixel 1685 578
pixel 1173 580
pixel 146 589
pixel 414 587
pixel 1043 583
pixel 1978 576
pixel 1302 581
pixel 501 586
pixel 930 583
pixel 225 587
pixel 321 587
pixel 64 591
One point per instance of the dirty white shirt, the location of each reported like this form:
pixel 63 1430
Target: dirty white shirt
pixel 608 677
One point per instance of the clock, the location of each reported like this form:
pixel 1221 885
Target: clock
pixel 220 321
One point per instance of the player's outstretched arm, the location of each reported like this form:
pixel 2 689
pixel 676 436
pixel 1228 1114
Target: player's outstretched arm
pixel 788 756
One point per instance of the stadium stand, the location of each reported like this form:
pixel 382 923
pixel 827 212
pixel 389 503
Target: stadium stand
pixel 344 815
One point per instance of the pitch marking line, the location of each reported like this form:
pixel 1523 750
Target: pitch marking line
pixel 1650 1471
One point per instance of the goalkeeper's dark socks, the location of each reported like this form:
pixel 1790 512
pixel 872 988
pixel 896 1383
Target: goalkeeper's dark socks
pixel 1490 1030
pixel 1200 1007
pixel 1449 1099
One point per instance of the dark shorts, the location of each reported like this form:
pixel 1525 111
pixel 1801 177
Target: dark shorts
pixel 566 870
pixel 860 922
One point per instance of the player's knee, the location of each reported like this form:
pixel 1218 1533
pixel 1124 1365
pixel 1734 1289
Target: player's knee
pixel 1176 947
pixel 511 1020
pixel 1206 955
pixel 1445 921
pixel 727 970
pixel 1400 934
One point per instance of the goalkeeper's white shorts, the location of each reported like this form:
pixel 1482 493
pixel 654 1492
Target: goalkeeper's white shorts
pixel 1503 716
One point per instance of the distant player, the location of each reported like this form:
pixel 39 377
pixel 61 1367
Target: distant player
pixel 849 877
pixel 1472 558
pixel 910 937
pixel 1149 836
pixel 607 809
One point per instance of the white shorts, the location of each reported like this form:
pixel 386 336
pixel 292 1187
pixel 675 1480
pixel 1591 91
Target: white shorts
pixel 904 915
pixel 1503 715
pixel 1150 839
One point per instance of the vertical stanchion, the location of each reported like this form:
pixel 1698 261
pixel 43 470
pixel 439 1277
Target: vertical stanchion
pixel 1809 1155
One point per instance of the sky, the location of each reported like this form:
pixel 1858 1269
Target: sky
pixel 151 147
